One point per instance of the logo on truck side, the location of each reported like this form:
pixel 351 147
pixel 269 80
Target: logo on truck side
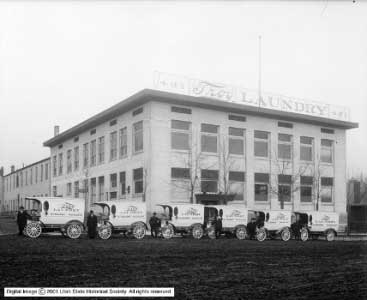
pixel 191 212
pixel 67 207
pixel 236 214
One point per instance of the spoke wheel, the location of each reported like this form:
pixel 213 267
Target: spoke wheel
pixel 285 235
pixel 330 236
pixel 241 232
pixel 261 235
pixel 197 232
pixel 105 232
pixel 211 232
pixel 304 235
pixel 74 231
pixel 33 230
pixel 167 232
pixel 139 231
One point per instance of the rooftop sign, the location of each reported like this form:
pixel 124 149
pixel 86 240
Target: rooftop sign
pixel 201 88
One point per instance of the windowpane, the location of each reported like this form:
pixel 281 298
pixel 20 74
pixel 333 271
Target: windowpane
pixel 326 143
pixel 138 136
pixel 284 178
pixel 261 177
pixel 209 143
pixel 306 194
pixel 261 192
pixel 306 140
pixel 209 128
pixel 236 176
pixel 181 110
pixel 327 181
pixel 209 174
pixel 237 188
pixel 284 151
pixel 138 173
pixel 209 186
pixel 326 194
pixel 261 148
pixel 236 146
pixel 284 137
pixel 113 145
pixel 284 193
pixel 306 153
pixel 113 180
pixel 236 131
pixel 306 180
pixel 180 173
pixel 180 140
pixel 123 142
pixel 261 135
pixel 123 183
pixel 181 125
pixel 138 187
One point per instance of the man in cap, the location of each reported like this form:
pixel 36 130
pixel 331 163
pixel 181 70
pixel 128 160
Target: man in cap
pixel 154 223
pixel 22 217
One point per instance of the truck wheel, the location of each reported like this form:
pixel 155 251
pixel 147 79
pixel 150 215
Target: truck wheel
pixel 241 232
pixel 261 235
pixel 33 229
pixel 167 232
pixel 74 230
pixel 304 235
pixel 330 235
pixel 211 232
pixel 139 231
pixel 105 232
pixel 285 235
pixel 197 232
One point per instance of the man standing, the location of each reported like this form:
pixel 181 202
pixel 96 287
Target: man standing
pixel 92 225
pixel 22 217
pixel 154 223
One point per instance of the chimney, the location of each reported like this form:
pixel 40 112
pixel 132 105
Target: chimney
pixel 12 168
pixel 56 130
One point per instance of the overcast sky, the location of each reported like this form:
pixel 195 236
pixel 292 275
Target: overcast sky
pixel 63 62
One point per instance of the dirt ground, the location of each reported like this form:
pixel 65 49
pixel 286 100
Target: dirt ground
pixel 197 269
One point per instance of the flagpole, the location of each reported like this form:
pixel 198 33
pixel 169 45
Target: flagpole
pixel 259 79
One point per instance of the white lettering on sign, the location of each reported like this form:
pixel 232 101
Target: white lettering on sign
pixel 202 88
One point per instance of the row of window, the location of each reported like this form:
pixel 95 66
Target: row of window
pixel 96 189
pixel 181 181
pixel 94 152
pixel 181 140
pixel 26 177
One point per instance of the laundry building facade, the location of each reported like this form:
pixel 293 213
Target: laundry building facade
pixel 163 147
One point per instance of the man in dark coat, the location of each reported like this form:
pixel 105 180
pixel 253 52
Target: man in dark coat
pixel 154 223
pixel 22 217
pixel 218 226
pixel 92 225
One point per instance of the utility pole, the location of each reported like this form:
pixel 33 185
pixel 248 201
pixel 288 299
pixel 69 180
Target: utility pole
pixel 259 79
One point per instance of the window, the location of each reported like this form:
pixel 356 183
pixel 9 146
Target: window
pixel 237 118
pixel 61 162
pixel 93 153
pixel 285 125
pixel 101 150
pixel 85 188
pixel 123 184
pixel 180 135
pixel 327 130
pixel 113 122
pixel 54 191
pixel 123 142
pixel 138 181
pixel 306 151
pixel 209 138
pixel 261 186
pixel 101 188
pixel 68 162
pixel 93 190
pixel 26 177
pixel 76 189
pixel 137 111
pixel 68 189
pixel 326 192
pixel 138 136
pixel 85 155
pixel 46 171
pixel 326 151
pixel 76 158
pixel 113 145
pixel 54 167
pixel 41 174
pixel 261 143
pixel 306 189
pixel 93 131
pixel 180 184
pixel 209 181
pixel 76 139
pixel 31 171
pixel 21 178
pixel 181 110
pixel 113 195
pixel 113 180
pixel 284 188
pixel 60 146
pixel 236 182
pixel 36 177
pixel 236 143
pixel 284 146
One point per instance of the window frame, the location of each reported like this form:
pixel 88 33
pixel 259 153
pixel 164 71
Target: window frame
pixel 187 132
pixel 263 141
pixel 209 134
